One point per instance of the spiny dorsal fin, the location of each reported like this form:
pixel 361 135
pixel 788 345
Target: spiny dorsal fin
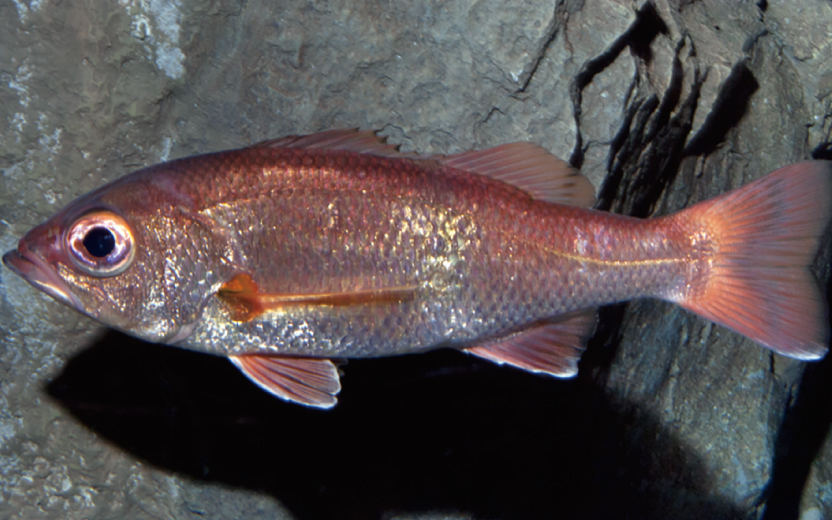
pixel 308 381
pixel 552 348
pixel 350 140
pixel 531 168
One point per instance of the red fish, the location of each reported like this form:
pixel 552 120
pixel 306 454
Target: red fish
pixel 292 254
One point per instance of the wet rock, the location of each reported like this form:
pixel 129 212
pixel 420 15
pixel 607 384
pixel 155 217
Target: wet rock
pixel 662 104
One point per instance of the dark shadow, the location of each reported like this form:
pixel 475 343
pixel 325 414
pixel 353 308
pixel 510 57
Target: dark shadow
pixel 604 343
pixel 730 106
pixel 823 151
pixel 647 26
pixel 646 154
pixel 805 426
pixel 625 148
pixel 799 441
pixel 439 432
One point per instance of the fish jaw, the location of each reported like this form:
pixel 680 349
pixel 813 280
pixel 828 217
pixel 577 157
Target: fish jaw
pixel 40 275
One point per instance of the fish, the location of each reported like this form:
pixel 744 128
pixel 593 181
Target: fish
pixel 293 255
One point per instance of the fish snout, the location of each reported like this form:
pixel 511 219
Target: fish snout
pixel 32 268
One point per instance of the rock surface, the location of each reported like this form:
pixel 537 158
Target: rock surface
pixel 661 103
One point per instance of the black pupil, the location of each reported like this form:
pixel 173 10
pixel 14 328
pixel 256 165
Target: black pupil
pixel 100 242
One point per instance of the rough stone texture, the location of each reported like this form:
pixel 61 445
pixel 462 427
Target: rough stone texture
pixel 661 103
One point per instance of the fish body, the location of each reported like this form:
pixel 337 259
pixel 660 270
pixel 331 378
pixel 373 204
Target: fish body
pixel 295 252
pixel 464 258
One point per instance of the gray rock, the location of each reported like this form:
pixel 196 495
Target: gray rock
pixel 662 104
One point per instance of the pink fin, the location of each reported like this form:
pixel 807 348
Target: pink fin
pixel 531 168
pixel 351 140
pixel 552 348
pixel 764 237
pixel 309 381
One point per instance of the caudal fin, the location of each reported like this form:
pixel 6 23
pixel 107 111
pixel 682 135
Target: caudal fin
pixel 764 236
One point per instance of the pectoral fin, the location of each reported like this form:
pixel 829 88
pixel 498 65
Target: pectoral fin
pixel 246 302
pixel 308 381
pixel 552 348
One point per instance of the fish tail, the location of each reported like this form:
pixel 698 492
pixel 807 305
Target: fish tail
pixel 761 240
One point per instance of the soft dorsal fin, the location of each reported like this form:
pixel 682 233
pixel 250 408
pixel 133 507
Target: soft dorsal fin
pixel 308 381
pixel 350 140
pixel 531 168
pixel 552 348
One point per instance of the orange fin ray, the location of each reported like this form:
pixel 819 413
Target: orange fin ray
pixel 766 235
pixel 552 348
pixel 246 302
pixel 308 381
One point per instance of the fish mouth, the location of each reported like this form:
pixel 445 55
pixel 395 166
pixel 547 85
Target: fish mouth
pixel 40 275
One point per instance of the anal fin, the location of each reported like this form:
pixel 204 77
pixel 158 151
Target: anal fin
pixel 308 381
pixel 552 347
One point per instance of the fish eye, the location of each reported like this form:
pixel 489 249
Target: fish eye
pixel 101 244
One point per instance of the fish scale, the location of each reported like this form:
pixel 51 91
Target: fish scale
pixel 502 273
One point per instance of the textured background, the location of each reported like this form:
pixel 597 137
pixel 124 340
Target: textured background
pixel 661 103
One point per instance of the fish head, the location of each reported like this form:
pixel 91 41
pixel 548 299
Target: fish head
pixel 121 256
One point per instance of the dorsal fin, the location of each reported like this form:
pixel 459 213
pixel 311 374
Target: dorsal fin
pixel 552 348
pixel 526 166
pixel 531 168
pixel 350 140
